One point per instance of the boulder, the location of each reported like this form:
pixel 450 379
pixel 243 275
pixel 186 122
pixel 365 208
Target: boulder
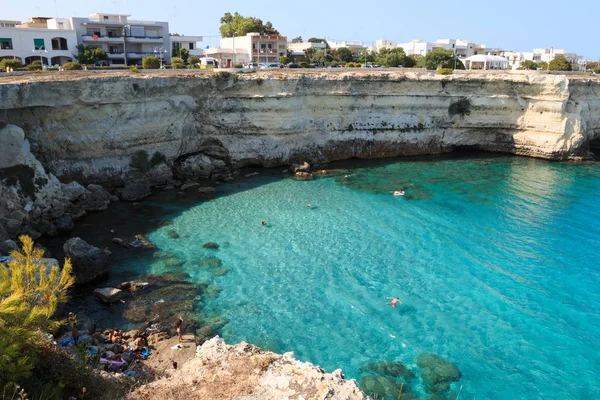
pixel 64 223
pixel 73 191
pixel 211 245
pixel 211 262
pixel 159 174
pixel 135 191
pixel 133 286
pixel 89 263
pixel 108 295
pixel 7 246
pixel 389 368
pixel 13 227
pixel 300 167
pixel 304 176
pixel 95 198
pixel 3 234
pixel 188 185
pixel 173 234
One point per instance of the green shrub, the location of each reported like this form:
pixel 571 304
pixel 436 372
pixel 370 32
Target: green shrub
pixel 444 71
pixel 284 60
pixel 150 62
pixel 193 60
pixel 178 66
pixel 259 81
pixel 176 60
pixel 140 161
pixel 10 63
pixel 305 64
pixel 133 68
pixel 157 158
pixel 72 66
pixel 223 75
pixel 30 293
pixel 597 70
pixel 238 66
pixel 34 66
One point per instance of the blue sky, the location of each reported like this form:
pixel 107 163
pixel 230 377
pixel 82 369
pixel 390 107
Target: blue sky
pixel 509 24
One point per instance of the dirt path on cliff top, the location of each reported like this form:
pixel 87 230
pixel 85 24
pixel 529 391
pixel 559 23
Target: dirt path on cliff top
pixel 56 76
pixel 163 355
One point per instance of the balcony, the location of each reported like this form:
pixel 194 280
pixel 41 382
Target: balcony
pixel 102 39
pixel 144 39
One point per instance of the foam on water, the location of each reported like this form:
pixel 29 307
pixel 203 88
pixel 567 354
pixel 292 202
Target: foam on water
pixel 494 258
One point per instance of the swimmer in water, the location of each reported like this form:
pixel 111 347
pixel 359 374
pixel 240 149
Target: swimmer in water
pixel 308 205
pixel 399 193
pixel 263 222
pixel 394 301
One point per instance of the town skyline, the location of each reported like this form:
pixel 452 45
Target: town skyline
pixel 365 26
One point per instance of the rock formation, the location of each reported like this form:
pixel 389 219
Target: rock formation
pixel 243 371
pixel 89 263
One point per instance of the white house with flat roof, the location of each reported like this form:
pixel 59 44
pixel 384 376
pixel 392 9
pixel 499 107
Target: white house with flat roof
pixel 125 41
pixel 297 50
pixel 356 48
pixel 51 40
pixel 190 43
pixel 252 47
pixel 515 58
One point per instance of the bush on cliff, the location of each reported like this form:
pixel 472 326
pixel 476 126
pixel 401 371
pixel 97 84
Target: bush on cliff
pixel 178 66
pixel 597 70
pixel 16 63
pixel 560 64
pixel 34 66
pixel 72 66
pixel 176 60
pixel 30 293
pixel 150 62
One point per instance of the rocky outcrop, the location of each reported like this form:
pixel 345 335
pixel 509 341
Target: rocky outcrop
pixel 108 295
pixel 207 125
pixel 243 371
pixel 135 191
pixel 89 263
pixel 33 201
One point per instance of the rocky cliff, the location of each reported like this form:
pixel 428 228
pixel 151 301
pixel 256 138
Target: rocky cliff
pixel 146 129
pixel 243 371
pixel 89 126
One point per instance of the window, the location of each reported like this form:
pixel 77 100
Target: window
pixel 61 25
pixel 38 44
pixel 59 44
pixel 106 17
pixel 263 46
pixel 191 46
pixel 6 44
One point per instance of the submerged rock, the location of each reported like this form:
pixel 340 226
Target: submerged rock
pixel 64 223
pixel 89 262
pixel 211 245
pixel 385 387
pixel 163 254
pixel 173 262
pixel 303 176
pixel 389 368
pixel 173 234
pixel 211 262
pixel 436 373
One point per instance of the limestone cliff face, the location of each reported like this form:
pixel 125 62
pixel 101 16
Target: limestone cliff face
pixel 89 127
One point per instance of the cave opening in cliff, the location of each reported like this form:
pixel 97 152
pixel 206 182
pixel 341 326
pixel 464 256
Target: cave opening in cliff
pixel 594 147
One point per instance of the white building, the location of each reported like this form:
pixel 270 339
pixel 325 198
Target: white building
pixel 190 43
pixel 125 41
pixel 52 40
pixel 462 48
pixel 356 48
pixel 252 47
pixel 538 55
pixel 297 50
pixel 486 61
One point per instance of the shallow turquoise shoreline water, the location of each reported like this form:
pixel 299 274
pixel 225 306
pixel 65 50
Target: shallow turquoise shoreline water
pixel 495 259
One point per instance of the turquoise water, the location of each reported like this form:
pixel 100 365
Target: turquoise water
pixel 495 259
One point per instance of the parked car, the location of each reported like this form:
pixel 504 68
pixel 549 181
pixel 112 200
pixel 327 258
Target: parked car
pixel 333 66
pixel 293 65
pixel 271 66
pixel 252 65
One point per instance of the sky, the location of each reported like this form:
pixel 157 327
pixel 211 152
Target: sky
pixel 517 25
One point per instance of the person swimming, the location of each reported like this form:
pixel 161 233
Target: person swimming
pixel 399 193
pixel 308 205
pixel 394 301
pixel 263 222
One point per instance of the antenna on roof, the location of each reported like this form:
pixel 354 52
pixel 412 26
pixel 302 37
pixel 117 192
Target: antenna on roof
pixel 56 7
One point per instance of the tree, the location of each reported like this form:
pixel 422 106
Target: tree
pixel 321 57
pixel 560 64
pixel 297 39
pixel 309 53
pixel 284 60
pixel 528 64
pixel 181 52
pixel 440 58
pixel 89 55
pixel 418 60
pixel 590 65
pixel 193 60
pixel 367 57
pixel 343 54
pixel 238 25
pixel 30 293
pixel 392 57
pixel 543 65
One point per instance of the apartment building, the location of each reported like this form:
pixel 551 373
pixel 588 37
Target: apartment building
pixel 125 41
pixel 253 47
pixel 190 43
pixel 51 40
pixel 356 48
pixel 538 55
